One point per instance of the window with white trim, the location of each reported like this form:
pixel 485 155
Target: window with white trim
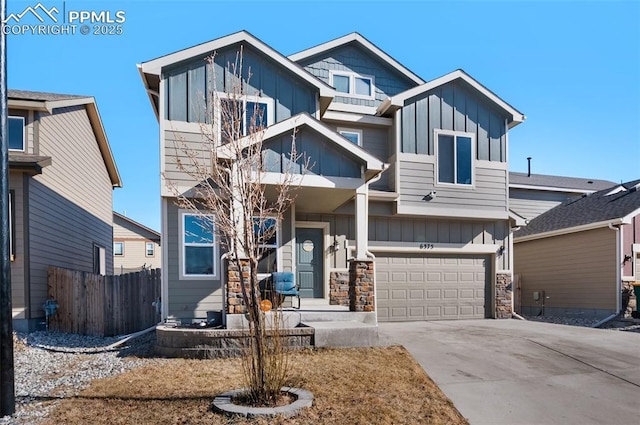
pixel 149 249
pixel 118 249
pixel 353 135
pixel 352 84
pixel 267 238
pixel 16 133
pixel 198 245
pixel 242 115
pixel 455 153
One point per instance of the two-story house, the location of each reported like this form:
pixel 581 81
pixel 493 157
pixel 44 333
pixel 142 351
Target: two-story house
pixel 61 179
pixel 135 246
pixel 409 175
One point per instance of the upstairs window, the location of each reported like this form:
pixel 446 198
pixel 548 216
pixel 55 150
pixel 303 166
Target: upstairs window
pixel 118 249
pixel 16 133
pixel 455 158
pixel 243 115
pixel 149 249
pixel 353 84
pixel 353 135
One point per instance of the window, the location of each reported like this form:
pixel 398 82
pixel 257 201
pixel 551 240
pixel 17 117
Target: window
pixel 455 158
pixel 267 238
pixel 149 249
pixel 352 84
pixel 16 133
pixel 250 113
pixel 118 249
pixel 355 136
pixel 198 245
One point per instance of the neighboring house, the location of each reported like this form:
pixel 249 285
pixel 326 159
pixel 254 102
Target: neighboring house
pixel 411 172
pixel 576 256
pixel 61 178
pixel 533 194
pixel 135 246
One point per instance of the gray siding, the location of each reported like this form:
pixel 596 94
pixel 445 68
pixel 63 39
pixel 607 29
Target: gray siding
pixel 353 58
pixel 19 299
pixel 292 96
pixel 531 203
pixel 323 159
pixel 179 169
pixel 70 204
pixel 417 179
pixel 188 298
pixel 577 272
pixel 453 106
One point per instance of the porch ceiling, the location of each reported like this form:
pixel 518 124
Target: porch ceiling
pixel 316 200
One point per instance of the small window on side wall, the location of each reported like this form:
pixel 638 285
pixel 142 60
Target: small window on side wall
pixel 149 249
pixel 455 153
pixel 198 246
pixel 353 135
pixel 16 133
pixel 118 249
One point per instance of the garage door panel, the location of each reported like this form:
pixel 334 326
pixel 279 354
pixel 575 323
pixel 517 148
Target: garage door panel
pixel 431 287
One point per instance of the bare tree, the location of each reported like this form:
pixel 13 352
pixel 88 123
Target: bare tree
pixel 229 167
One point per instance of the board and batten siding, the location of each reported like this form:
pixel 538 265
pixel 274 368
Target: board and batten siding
pixel 531 203
pixel 577 272
pixel 452 106
pixel 353 58
pixel 412 231
pixel 70 203
pixel 19 298
pixel 417 179
pixel 188 83
pixel 188 298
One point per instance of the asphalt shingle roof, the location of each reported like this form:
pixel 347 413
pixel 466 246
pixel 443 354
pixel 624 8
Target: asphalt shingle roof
pixel 40 96
pixel 559 181
pixel 593 208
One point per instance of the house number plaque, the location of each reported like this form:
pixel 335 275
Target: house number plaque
pixel 307 245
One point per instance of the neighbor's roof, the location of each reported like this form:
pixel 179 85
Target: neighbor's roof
pixel 136 224
pixel 557 183
pixel 150 70
pixel 47 102
pixel 354 37
pixel 398 101
pixel 614 205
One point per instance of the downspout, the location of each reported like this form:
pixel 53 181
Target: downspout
pixel 618 276
pixel 223 284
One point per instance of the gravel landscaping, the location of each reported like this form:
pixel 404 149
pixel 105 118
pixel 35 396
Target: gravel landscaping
pixel 51 366
pixel 627 325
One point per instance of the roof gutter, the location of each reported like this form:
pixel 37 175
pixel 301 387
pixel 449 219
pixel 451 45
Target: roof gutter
pixel 575 229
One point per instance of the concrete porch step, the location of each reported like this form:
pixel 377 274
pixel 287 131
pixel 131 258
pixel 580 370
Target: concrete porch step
pixel 343 333
pixel 337 316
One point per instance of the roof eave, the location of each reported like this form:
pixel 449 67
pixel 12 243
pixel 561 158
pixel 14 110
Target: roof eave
pixel 150 93
pixel 568 230
pixel 103 144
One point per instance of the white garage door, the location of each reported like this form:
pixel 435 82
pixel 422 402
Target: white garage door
pixel 435 287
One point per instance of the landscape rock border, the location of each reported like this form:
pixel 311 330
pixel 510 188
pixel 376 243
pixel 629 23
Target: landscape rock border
pixel 224 404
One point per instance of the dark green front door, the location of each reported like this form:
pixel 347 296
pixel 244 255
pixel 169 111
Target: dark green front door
pixel 309 262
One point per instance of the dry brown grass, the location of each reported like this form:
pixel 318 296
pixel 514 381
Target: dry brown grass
pixel 350 386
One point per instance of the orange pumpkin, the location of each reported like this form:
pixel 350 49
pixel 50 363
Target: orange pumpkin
pixel 265 305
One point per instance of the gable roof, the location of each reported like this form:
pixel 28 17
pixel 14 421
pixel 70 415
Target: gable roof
pixel 398 101
pixel 589 211
pixel 136 224
pixel 373 165
pixel 151 70
pixel 557 183
pixel 354 37
pixel 47 102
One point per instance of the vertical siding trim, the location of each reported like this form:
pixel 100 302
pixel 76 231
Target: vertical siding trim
pixel 26 225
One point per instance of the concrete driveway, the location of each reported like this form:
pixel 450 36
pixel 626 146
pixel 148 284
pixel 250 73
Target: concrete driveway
pixel 516 372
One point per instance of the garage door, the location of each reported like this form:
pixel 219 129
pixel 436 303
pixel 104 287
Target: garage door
pixel 435 287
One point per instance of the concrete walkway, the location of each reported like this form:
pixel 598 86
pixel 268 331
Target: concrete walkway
pixel 516 372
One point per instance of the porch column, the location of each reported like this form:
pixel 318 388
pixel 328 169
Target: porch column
pixel 362 222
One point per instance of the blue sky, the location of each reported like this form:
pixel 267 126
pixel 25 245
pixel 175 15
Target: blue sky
pixel 573 68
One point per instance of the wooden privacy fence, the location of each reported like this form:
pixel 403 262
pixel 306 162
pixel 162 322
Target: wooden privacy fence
pixel 90 304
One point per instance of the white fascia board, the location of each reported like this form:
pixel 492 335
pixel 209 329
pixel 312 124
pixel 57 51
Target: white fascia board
pixel 354 109
pixel 627 218
pixel 313 180
pixel 155 66
pixel 63 103
pixel 398 100
pixel 288 125
pixel 431 211
pixel 568 230
pixel 354 36
pixel 356 118
pixel 517 219
pixel 148 90
pixel 549 188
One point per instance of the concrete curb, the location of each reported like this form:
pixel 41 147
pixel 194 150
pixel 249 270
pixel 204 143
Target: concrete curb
pixel 223 404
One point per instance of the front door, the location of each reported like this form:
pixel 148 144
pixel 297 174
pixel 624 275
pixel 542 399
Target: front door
pixel 309 262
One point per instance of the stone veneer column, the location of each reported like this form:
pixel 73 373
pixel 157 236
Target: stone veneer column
pixel 504 293
pixel 339 288
pixel 361 291
pixel 235 278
